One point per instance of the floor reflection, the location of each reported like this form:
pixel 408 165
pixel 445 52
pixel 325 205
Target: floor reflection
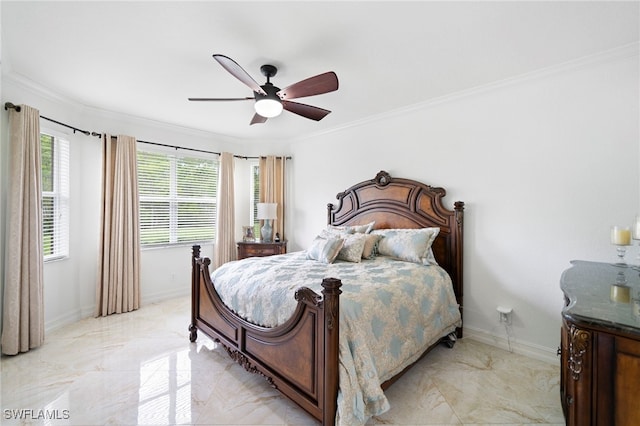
pixel 166 397
pixel 140 368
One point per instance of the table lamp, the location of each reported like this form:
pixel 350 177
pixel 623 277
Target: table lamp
pixel 267 212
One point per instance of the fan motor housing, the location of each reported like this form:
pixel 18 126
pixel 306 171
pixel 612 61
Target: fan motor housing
pixel 270 90
pixel 268 71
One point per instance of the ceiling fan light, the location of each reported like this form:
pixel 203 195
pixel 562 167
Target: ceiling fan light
pixel 268 108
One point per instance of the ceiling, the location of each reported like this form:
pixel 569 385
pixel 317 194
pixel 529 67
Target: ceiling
pixel 145 59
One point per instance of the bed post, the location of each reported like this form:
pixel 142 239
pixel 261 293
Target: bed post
pixel 195 293
pixel 331 296
pixel 459 221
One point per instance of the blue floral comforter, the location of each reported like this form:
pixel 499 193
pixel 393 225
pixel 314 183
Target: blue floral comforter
pixel 390 312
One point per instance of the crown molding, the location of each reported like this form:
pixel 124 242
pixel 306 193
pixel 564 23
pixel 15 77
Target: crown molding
pixel 627 51
pixel 161 125
pixel 631 50
pixel 26 84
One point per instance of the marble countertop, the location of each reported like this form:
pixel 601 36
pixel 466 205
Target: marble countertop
pixel 604 294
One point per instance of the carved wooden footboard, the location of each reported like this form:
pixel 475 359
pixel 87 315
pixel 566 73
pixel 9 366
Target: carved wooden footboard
pixel 299 357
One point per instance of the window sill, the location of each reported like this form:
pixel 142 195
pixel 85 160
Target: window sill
pixel 174 245
pixel 56 258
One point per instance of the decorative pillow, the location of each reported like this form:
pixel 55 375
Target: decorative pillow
pixel 370 246
pixel 325 249
pixel 353 247
pixel 411 245
pixel 361 229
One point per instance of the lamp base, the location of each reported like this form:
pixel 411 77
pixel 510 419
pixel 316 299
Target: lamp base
pixel 266 231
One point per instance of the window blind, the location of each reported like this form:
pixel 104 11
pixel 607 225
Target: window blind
pixel 255 198
pixel 54 156
pixel 177 198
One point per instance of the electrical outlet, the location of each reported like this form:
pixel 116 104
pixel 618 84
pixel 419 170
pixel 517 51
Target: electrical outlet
pixel 504 314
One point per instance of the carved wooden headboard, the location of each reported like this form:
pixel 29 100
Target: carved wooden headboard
pixel 404 203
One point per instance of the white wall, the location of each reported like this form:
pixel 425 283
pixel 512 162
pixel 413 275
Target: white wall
pixel 545 164
pixel 70 283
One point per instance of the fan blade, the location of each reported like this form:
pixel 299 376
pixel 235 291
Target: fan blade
pixel 307 111
pixel 221 99
pixel 237 71
pixel 258 119
pixel 322 83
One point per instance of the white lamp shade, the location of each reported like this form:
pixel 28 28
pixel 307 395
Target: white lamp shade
pixel 268 108
pixel 267 210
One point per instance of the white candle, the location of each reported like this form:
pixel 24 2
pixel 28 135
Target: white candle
pixel 636 228
pixel 620 235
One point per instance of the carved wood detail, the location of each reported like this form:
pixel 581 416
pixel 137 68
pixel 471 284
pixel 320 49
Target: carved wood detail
pixel 331 291
pixel 305 294
pixel 239 357
pixel 578 344
pixel 383 178
pixel 193 333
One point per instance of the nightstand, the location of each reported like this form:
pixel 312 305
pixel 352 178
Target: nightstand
pixel 600 345
pixel 257 249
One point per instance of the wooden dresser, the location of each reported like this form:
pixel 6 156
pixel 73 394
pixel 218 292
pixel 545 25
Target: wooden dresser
pixel 600 345
pixel 257 249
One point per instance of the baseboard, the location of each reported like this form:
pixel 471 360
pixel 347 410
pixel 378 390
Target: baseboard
pixel 88 311
pixel 63 320
pixel 523 348
pixel 165 295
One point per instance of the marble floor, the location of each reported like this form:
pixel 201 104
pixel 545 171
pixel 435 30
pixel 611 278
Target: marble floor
pixel 140 368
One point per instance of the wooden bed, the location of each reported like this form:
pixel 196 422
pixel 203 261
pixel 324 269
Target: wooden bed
pixel 300 357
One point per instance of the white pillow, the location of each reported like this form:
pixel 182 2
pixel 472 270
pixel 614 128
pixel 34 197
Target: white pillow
pixel 337 230
pixel 411 245
pixel 362 229
pixel 325 249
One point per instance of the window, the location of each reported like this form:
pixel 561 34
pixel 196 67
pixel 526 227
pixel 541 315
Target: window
pixel 177 198
pixel 255 198
pixel 54 155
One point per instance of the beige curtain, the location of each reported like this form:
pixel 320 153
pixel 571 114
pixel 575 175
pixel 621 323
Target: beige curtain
pixel 225 249
pixel 118 283
pixel 23 303
pixel 272 170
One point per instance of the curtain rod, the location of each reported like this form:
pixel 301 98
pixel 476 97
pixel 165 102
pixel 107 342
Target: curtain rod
pixel 9 105
pixel 202 150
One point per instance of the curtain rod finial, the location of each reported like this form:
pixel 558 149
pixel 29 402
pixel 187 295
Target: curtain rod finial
pixel 9 105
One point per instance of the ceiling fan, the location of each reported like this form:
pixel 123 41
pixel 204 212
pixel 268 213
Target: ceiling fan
pixel 271 100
